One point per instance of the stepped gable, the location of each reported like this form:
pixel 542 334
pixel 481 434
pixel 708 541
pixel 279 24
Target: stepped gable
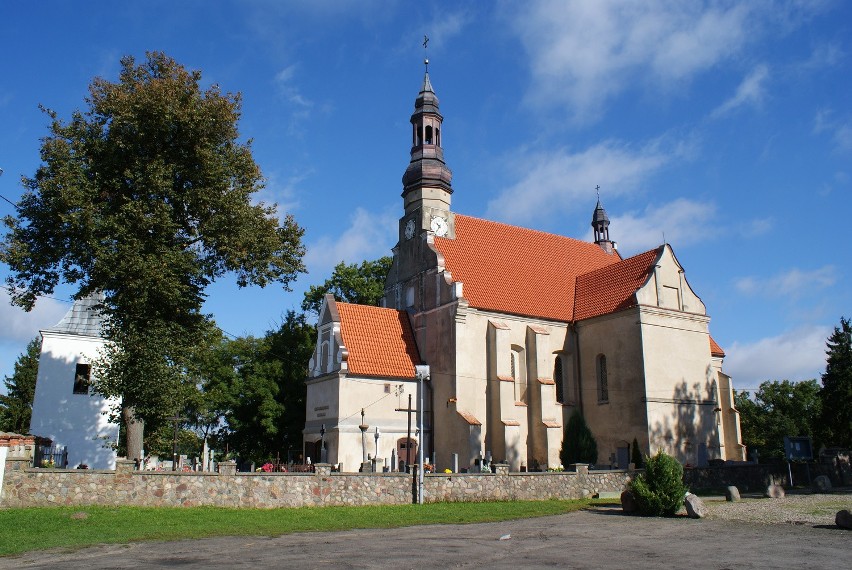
pixel 83 318
pixel 520 271
pixel 380 341
pixel 613 288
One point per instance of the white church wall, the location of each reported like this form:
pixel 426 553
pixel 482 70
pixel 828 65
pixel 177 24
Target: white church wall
pixel 617 417
pixel 337 402
pixel 680 383
pixel 480 364
pixel 78 421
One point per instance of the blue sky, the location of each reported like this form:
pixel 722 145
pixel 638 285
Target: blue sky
pixel 725 126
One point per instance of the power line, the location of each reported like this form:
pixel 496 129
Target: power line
pixel 11 290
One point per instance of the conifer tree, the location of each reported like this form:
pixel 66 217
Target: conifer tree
pixel 836 393
pixel 578 445
pixel 16 406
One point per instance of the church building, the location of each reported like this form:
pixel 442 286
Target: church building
pixel 519 328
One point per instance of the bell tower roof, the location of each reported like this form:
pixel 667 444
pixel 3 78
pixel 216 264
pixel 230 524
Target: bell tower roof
pixel 427 180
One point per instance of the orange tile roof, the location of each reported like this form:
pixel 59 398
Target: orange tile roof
pixel 380 341
pixel 715 349
pixel 612 288
pixel 517 270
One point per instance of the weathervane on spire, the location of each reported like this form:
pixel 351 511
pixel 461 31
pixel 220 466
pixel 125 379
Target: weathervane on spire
pixel 426 51
pixel 598 190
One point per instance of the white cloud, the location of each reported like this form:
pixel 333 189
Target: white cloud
pixel 445 27
pixel 798 354
pixel 683 221
pixel 22 326
pixel 584 53
pixel 369 236
pixel 282 191
pixel 756 227
pixel 290 92
pixel 839 129
pixel 789 283
pixel 823 55
pixel 750 92
pixel 553 181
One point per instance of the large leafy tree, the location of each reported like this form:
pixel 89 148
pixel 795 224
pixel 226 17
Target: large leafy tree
pixel 146 197
pixel 779 409
pixel 254 390
pixel 16 406
pixel 836 394
pixel 363 284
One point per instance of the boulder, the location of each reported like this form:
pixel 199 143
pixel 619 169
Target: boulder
pixel 843 519
pixel 732 494
pixel 695 507
pixel 628 502
pixel 821 484
pixel 774 492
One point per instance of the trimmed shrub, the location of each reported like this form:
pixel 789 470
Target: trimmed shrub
pixel 636 455
pixel 578 445
pixel 660 490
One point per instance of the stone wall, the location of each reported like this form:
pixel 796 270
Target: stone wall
pixel 28 487
pixel 756 477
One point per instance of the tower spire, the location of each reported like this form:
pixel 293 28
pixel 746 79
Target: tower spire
pixel 600 224
pixel 427 182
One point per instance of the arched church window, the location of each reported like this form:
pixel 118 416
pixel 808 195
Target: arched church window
pixel 603 381
pixel 437 136
pixel 324 360
pixel 519 374
pixel 559 379
pixel 428 136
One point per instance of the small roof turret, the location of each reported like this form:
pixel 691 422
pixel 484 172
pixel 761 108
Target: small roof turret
pixel 600 224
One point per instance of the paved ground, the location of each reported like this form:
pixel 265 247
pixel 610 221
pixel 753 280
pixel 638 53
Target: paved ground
pixel 602 538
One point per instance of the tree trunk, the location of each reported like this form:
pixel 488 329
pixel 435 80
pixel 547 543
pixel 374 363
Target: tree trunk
pixel 135 430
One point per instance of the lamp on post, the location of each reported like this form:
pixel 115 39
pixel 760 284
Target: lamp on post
pixel 422 373
pixel 377 442
pixel 322 444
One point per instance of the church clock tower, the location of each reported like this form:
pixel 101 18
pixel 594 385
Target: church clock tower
pixel 426 184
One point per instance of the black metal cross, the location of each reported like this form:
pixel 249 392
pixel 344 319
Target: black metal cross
pixel 425 42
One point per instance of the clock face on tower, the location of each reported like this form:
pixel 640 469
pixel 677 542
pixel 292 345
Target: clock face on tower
pixel 439 226
pixel 409 229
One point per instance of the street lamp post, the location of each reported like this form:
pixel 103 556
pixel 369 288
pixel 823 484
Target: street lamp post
pixel 422 373
pixel 322 444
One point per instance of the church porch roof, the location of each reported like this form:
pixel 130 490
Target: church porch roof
pixel 380 341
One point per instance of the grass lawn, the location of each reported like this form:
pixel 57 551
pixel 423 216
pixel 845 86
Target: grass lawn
pixel 50 527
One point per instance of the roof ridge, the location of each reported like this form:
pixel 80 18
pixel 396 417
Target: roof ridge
pixel 526 229
pixel 618 264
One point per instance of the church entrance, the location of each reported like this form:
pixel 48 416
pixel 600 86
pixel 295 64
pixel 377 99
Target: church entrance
pixel 622 457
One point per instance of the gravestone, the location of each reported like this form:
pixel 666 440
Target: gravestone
pixel 774 492
pixel 695 507
pixel 843 519
pixel 821 484
pixel 732 494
